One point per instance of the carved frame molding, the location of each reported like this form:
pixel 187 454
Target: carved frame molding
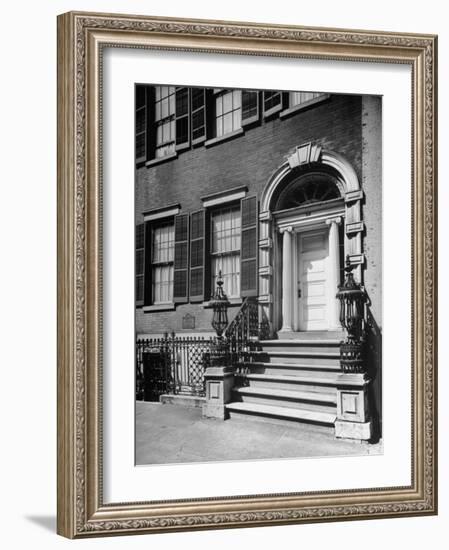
pixel 81 37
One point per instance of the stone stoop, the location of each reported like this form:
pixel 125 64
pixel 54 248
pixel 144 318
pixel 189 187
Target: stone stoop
pixel 290 380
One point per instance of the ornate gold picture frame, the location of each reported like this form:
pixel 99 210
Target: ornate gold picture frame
pixel 82 510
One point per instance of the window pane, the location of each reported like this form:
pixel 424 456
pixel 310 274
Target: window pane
pixel 219 102
pixel 236 119
pixel 163 253
pixel 237 99
pixel 219 126
pixel 157 113
pixel 229 265
pixel 227 102
pixel 227 123
pixel 228 112
pixel 225 229
pixel 164 108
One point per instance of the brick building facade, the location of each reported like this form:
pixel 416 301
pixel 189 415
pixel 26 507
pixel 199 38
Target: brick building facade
pixel 266 187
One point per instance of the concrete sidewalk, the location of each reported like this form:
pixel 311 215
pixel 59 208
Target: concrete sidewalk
pixel 167 434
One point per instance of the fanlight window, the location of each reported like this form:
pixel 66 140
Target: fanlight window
pixel 308 190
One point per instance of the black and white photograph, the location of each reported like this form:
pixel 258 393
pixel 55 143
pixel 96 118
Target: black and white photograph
pixel 258 274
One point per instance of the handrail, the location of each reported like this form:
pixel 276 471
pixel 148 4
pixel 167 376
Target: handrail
pixel 245 324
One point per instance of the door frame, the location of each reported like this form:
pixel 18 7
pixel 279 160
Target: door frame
pixel 301 219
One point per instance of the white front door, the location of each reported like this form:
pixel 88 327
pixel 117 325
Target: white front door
pixel 312 291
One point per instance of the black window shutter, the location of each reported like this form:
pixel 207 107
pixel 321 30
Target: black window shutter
pixel 198 109
pixel 250 106
pixel 197 255
pixel 181 264
pixel 182 117
pixel 151 132
pixel 140 262
pixel 141 122
pixel 249 247
pixel 147 280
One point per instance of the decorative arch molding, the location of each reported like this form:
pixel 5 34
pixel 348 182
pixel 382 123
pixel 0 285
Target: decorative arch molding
pixel 309 157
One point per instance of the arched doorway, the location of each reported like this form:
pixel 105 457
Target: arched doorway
pixel 310 221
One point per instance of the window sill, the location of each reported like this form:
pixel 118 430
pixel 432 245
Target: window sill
pixel 225 137
pixel 159 307
pixel 292 110
pixel 233 301
pixel 160 160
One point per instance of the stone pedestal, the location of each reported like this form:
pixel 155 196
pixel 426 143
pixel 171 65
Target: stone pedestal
pixel 353 416
pixel 219 383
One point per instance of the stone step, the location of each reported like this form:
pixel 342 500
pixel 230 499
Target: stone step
pixel 311 401
pixel 284 413
pixel 290 368
pixel 300 346
pixel 298 355
pixel 309 335
pixel 322 397
pixel 316 382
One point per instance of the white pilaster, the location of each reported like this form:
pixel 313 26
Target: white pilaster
pixel 287 286
pixel 334 273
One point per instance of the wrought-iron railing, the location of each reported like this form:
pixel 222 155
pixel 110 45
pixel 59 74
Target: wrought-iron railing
pixel 172 364
pixel 244 331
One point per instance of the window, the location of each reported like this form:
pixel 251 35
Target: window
pixel 140 255
pixel 225 249
pixel 297 98
pixel 164 120
pixel 163 243
pixel 228 112
pixel 272 102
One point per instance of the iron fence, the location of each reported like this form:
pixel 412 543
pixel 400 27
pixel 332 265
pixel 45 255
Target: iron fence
pixel 172 364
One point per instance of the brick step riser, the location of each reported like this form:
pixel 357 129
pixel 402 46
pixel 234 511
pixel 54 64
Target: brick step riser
pixel 250 417
pixel 292 385
pixel 288 403
pixel 290 371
